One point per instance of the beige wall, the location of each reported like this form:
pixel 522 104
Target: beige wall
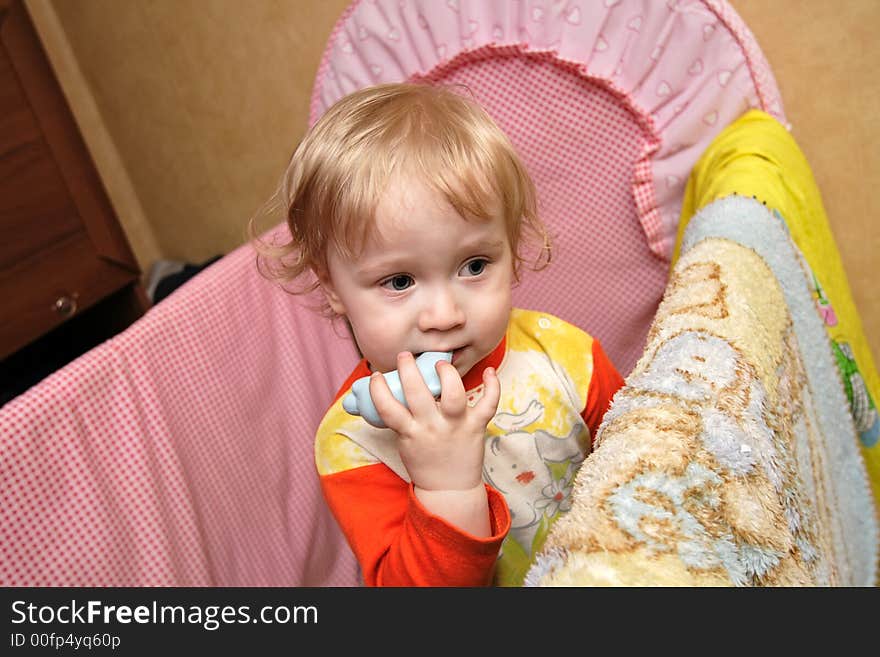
pixel 202 100
pixel 192 108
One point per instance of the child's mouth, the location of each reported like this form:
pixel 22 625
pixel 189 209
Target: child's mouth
pixel 456 353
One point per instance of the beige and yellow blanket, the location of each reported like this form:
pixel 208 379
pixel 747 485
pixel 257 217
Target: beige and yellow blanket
pixel 731 456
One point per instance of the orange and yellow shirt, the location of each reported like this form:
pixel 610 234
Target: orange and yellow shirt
pixel 556 385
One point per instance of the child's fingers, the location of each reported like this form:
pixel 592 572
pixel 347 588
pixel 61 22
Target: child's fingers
pixel 394 414
pixel 488 405
pixel 452 397
pixel 418 397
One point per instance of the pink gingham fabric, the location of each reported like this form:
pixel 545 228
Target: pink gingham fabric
pixel 180 453
pixel 610 103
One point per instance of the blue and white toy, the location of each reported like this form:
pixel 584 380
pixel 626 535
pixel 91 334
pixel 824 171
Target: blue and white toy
pixel 359 402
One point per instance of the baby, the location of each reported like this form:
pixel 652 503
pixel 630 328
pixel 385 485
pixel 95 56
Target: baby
pixel 411 209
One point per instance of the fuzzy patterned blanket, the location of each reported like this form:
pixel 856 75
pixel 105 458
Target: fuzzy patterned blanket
pixel 730 456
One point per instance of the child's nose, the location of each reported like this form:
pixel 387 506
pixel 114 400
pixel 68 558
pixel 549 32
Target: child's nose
pixel 441 312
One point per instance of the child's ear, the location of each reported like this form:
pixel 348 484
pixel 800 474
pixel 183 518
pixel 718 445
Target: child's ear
pixel 329 291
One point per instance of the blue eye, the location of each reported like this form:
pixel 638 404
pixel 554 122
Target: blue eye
pixel 474 267
pixel 398 282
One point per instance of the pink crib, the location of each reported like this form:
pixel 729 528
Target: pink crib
pixel 179 453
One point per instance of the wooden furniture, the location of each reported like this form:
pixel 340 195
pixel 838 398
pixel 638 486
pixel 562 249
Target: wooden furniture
pixel 63 253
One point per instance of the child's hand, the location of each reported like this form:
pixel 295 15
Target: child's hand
pixel 441 442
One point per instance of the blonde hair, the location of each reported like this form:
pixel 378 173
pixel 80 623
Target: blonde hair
pixel 339 171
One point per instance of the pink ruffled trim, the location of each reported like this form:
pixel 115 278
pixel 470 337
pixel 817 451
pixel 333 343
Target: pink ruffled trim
pixel 686 93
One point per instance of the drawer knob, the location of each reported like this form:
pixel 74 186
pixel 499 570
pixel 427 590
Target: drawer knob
pixel 66 305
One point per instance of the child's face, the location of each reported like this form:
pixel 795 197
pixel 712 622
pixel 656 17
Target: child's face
pixel 428 281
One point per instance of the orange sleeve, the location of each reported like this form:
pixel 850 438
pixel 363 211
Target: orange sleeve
pixel 604 383
pixel 400 543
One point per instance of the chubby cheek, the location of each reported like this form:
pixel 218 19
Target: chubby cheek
pixel 500 319
pixel 491 318
pixel 377 339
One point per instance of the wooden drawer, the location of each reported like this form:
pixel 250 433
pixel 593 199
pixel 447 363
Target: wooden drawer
pixel 61 247
pixel 42 292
